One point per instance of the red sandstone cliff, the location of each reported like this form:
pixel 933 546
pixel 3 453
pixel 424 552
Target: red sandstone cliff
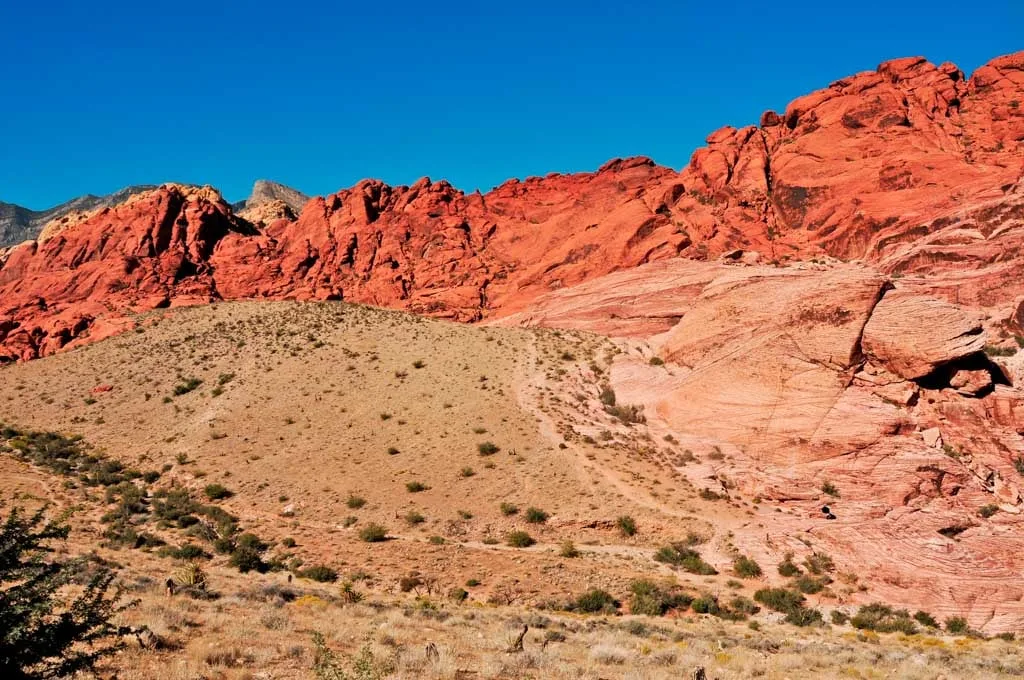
pixel 911 167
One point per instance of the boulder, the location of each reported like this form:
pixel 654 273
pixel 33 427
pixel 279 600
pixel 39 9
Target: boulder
pixel 912 335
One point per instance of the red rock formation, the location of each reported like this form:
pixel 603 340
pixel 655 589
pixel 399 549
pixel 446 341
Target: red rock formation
pixel 911 167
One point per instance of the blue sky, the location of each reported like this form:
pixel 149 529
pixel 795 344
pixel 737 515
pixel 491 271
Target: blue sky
pixel 96 96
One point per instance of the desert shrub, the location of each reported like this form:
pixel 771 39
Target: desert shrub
pixel 569 550
pixel 787 567
pixel 626 525
pixel 989 510
pixel 709 495
pixel 508 509
pixel 652 600
pixel 355 502
pixel 607 396
pixel 679 555
pixel 744 567
pixel 803 616
pixel 35 640
pixel 594 601
pixel 487 448
pixel 536 515
pixel 883 619
pixel 520 539
pixel 839 618
pixel 373 533
pixel 743 606
pixel 288 542
pixel 706 604
pixel 819 563
pixel 187 551
pixel 656 361
pixel 436 540
pixel 457 594
pixel 216 492
pixel 409 583
pixel 811 584
pixel 364 666
pixel 957 625
pixel 628 414
pixel 415 487
pixel 319 573
pixel 830 489
pixel 186 386
pixel 466 472
pixel 779 599
pixel 926 619
pixel 412 518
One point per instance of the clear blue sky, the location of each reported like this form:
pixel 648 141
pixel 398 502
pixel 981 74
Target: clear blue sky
pixel 98 95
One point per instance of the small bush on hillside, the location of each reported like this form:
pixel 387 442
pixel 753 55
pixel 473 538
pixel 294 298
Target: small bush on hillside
pixel 830 489
pixel 657 361
pixel 412 518
pixel 487 448
pixel 216 492
pixel 594 601
pixel 883 619
pixel 652 600
pixel 628 414
pixel 355 502
pixel 957 625
pixel 187 551
pixel 839 618
pixel 415 487
pixel 319 573
pixel 803 616
pixel 568 550
pixel 508 509
pixel 811 584
pixel 787 567
pixel 187 385
pixel 608 396
pixel 626 525
pixel 779 599
pixel 520 539
pixel 373 533
pixel 926 619
pixel 989 510
pixel 819 563
pixel 744 567
pixel 536 515
pixel 678 555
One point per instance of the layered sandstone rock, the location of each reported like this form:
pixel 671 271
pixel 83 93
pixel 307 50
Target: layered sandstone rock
pixel 911 167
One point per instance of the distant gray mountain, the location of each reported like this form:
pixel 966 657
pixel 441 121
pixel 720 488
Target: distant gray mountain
pixel 19 224
pixel 269 201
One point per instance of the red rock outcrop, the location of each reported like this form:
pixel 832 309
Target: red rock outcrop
pixel 911 167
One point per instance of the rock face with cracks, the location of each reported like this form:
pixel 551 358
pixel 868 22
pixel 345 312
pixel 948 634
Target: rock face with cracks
pixel 912 167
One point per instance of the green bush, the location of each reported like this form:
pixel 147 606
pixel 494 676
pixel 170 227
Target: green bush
pixel 830 489
pixel 839 618
pixel 882 618
pixel 520 539
pixel 679 555
pixel 706 604
pixel 803 616
pixel 216 492
pixel 744 567
pixel 819 563
pixel 373 533
pixel 415 487
pixel 413 518
pixel 926 619
pixel 787 567
pixel 779 599
pixel 652 600
pixel 626 525
pixel 186 386
pixel 536 515
pixel 568 550
pixel 319 573
pixel 957 625
pixel 989 510
pixel 656 361
pixel 187 551
pixel 355 502
pixel 811 584
pixel 508 509
pixel 594 601
pixel 487 448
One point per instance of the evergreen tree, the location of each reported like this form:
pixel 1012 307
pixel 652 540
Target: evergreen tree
pixel 46 629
